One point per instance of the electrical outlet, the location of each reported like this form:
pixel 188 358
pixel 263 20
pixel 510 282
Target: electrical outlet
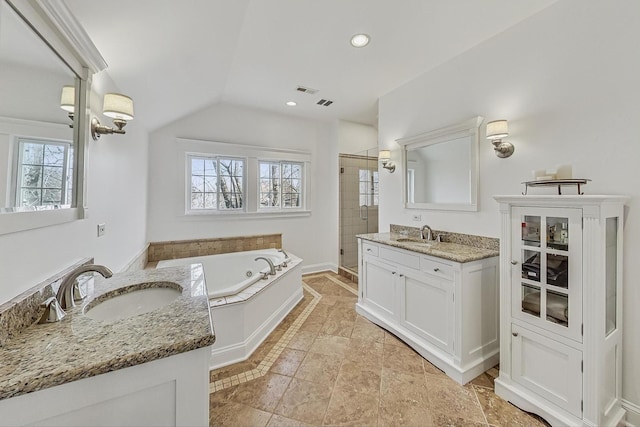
pixel 101 229
pixel 417 217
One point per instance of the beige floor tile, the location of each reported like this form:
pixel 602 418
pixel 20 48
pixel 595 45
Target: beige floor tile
pixel 501 413
pixel 368 331
pixel 365 352
pixel 347 408
pixel 329 344
pixel 319 368
pixel 280 421
pixel 302 340
pixel 451 420
pixel 236 414
pixel 448 397
pixel 262 393
pixel 356 378
pixel 402 359
pixel 403 399
pixel 354 363
pixel 391 339
pixel 288 361
pixel 338 327
pixel 304 401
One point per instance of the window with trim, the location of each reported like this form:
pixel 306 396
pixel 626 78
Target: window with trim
pixel 44 173
pixel 369 193
pixel 217 183
pixel 280 185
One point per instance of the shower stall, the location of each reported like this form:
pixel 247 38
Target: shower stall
pixel 358 203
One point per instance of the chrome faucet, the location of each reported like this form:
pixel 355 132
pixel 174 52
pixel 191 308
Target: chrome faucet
pixel 429 235
pixel 66 290
pixel 272 268
pixel 283 253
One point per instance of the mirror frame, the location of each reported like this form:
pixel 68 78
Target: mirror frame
pixel 54 23
pixel 469 128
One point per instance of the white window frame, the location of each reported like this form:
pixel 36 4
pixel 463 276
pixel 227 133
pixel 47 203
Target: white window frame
pixel 253 155
pixel 217 158
pixel 16 176
pixel 281 206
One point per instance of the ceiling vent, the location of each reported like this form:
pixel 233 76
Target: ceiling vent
pixel 324 102
pixel 306 90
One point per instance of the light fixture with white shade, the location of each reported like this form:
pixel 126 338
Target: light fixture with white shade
pixel 496 130
pixel 68 101
pixel 117 106
pixel 384 156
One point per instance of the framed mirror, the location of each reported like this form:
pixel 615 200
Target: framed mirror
pixel 42 145
pixel 441 168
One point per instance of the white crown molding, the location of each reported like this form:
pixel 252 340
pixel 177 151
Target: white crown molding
pixel 61 17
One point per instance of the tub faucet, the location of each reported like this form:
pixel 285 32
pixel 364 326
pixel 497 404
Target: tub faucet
pixel 429 235
pixel 272 268
pixel 66 289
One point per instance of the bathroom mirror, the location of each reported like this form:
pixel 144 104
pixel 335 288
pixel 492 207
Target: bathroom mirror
pixel 441 168
pixel 42 153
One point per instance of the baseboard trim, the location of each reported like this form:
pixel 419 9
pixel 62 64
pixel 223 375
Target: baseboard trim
pixel 633 413
pixel 316 268
pixel 139 258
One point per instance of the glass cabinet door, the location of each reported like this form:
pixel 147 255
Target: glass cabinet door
pixel 546 272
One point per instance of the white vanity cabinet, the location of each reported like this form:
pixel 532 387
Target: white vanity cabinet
pixel 561 330
pixel 447 311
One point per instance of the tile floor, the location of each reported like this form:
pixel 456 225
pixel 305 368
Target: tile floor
pixel 326 365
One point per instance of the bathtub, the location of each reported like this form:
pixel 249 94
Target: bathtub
pixel 245 308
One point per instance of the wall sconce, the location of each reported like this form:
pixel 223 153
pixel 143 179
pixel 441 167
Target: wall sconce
pixel 384 157
pixel 496 130
pixel 119 108
pixel 68 101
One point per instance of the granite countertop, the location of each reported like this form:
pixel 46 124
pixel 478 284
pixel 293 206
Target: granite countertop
pixel 449 251
pixel 47 355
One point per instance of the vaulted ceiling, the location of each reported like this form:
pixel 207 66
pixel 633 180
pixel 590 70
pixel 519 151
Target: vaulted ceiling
pixel 175 57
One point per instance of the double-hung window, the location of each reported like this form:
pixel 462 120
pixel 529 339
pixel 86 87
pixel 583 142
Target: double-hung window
pixel 280 185
pixel 44 173
pixel 217 183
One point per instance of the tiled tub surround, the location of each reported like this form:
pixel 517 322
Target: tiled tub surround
pixel 47 355
pixel 159 251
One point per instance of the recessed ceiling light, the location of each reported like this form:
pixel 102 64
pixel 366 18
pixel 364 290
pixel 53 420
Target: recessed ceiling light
pixel 360 40
pixel 291 103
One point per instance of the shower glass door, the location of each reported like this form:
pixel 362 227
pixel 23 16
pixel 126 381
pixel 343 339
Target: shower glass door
pixel 358 202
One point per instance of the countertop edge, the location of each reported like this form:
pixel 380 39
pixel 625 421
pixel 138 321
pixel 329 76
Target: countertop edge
pixel 438 250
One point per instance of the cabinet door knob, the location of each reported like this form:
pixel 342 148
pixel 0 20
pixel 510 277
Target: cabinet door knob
pixel 393 272
pixel 401 275
pixel 368 250
pixel 514 262
pixel 436 269
pixel 515 334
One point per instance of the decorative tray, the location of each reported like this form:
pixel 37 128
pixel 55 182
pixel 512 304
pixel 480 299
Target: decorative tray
pixel 555 183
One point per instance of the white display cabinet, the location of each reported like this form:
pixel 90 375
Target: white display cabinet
pixel 561 330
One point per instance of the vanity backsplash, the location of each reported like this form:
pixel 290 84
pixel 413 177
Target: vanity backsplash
pixel 24 310
pixel 473 240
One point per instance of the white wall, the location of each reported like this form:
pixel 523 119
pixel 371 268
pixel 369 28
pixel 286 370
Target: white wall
pixel 313 238
pixel 354 138
pixel 116 193
pixel 567 81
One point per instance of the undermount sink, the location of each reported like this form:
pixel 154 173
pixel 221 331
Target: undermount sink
pixel 414 241
pixel 132 301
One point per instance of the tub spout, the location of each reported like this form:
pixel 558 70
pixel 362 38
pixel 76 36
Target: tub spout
pixel 272 268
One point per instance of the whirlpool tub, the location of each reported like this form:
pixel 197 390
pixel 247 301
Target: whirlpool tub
pixel 245 308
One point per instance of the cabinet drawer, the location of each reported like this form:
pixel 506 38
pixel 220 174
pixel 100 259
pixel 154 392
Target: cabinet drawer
pixel 369 249
pixel 400 257
pixel 436 268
